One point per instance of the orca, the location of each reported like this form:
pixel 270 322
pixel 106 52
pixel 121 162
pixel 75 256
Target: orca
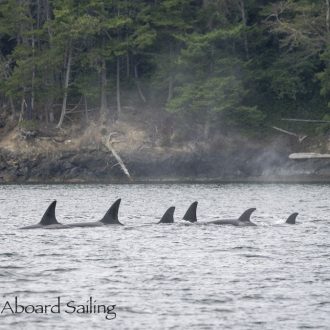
pixel 291 220
pixel 168 216
pixel 190 215
pixel 243 220
pixel 48 220
pixel 110 218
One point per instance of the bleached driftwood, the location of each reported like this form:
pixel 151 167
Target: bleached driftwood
pixel 308 155
pixel 307 120
pixel 109 144
pixel 300 137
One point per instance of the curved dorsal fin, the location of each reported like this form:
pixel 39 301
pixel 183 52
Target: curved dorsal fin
pixel 245 217
pixel 168 216
pixel 292 218
pixel 191 213
pixel 49 217
pixel 111 217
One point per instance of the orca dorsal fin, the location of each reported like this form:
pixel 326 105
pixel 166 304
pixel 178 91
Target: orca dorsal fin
pixel 191 213
pixel 245 217
pixel 111 217
pixel 49 217
pixel 292 218
pixel 168 216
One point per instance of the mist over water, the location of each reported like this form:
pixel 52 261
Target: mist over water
pixel 180 276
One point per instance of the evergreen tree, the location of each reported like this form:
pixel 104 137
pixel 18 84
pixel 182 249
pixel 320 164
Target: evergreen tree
pixel 214 63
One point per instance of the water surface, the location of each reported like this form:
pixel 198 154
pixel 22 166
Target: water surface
pixel 179 276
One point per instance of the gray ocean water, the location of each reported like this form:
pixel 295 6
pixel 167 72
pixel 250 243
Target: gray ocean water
pixel 272 276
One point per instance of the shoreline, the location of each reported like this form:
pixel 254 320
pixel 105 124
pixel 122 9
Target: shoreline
pixel 236 162
pixel 202 181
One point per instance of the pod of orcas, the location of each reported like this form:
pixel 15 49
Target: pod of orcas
pixel 49 221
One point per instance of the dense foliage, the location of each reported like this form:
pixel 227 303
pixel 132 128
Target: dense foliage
pixel 237 63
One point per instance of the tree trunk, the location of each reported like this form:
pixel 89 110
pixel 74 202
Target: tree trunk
pixel 33 73
pixel 7 73
pixel 38 20
pixel 86 108
pixel 12 106
pixel 170 88
pixel 170 78
pixel 327 18
pixel 137 82
pixel 66 86
pixel 104 101
pixel 118 87
pixel 51 116
pixel 23 105
pixel 49 109
pixel 127 65
pixel 205 3
pixel 243 15
pixel 47 114
pixel 207 126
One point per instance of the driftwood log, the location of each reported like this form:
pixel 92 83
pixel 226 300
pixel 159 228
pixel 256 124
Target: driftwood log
pixel 300 138
pixel 108 143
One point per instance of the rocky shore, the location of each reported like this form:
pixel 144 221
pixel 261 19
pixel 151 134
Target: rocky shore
pixel 155 164
pixel 85 156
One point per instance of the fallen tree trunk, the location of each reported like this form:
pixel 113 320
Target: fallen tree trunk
pixel 108 143
pixel 300 138
pixel 308 155
pixel 307 120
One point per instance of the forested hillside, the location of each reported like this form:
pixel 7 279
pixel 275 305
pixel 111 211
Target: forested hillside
pixel 215 63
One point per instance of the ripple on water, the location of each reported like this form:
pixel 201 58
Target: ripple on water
pixel 180 276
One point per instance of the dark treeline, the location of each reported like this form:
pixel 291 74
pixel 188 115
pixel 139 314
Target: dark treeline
pixel 239 63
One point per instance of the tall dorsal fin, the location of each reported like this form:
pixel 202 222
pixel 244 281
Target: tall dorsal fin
pixel 191 213
pixel 49 217
pixel 292 218
pixel 245 217
pixel 111 217
pixel 168 216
